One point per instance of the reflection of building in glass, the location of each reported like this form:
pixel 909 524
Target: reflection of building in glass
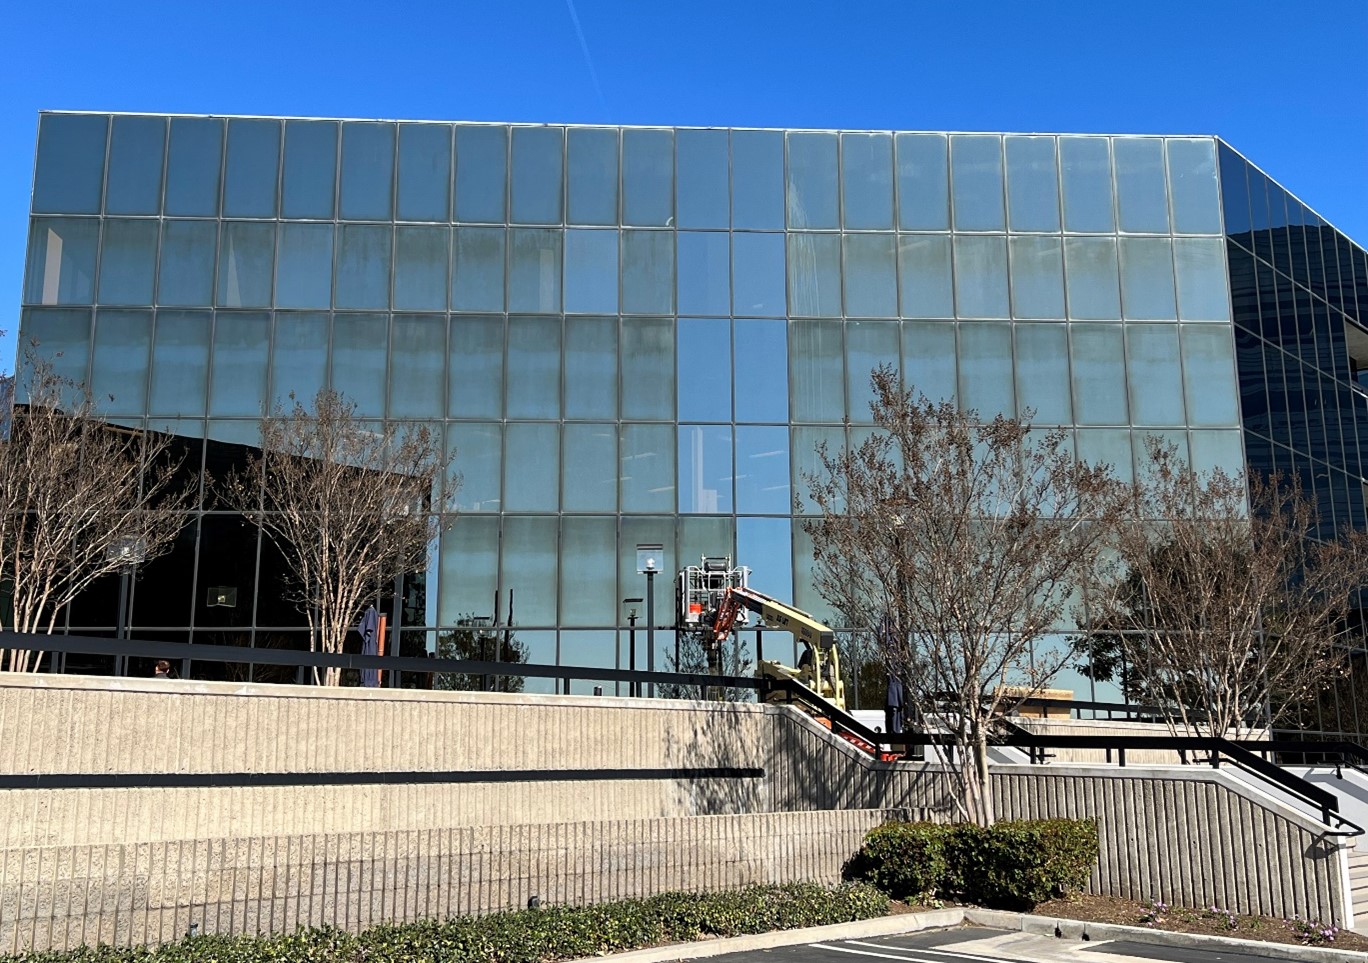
pixel 640 335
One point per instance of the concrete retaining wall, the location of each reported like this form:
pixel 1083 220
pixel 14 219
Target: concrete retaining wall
pixel 89 764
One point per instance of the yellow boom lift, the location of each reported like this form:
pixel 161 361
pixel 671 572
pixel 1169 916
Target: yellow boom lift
pixel 714 599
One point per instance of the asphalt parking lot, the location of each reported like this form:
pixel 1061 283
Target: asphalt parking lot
pixel 980 945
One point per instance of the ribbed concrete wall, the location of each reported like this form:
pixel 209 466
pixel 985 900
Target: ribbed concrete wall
pixel 262 762
pixel 59 897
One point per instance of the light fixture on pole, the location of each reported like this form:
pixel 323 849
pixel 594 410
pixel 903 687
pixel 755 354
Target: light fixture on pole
pixel 649 557
pixel 635 687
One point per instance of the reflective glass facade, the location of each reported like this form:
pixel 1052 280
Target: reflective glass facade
pixel 640 335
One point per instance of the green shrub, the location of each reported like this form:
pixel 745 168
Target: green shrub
pixel 522 936
pixel 1011 864
pixel 904 860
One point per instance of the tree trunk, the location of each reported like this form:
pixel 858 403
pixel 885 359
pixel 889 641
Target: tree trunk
pixel 986 815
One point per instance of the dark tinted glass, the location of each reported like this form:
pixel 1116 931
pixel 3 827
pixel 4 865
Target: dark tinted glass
pixel 1235 194
pixel 193 162
pixel 249 188
pixel 70 164
pixel 310 169
pixel 367 171
pixel 136 146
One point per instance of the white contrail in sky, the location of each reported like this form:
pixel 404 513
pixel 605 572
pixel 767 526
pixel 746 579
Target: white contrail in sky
pixel 584 46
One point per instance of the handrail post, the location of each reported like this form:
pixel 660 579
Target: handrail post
pixel 1121 756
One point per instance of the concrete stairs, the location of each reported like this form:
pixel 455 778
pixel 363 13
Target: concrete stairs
pixel 1358 887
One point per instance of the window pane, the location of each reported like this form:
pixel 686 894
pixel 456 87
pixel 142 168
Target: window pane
pixel 1209 375
pixel 481 158
pixel 424 172
pixel 360 355
pixel 246 253
pixel 593 176
pixel 136 146
pixel 304 265
pixel 648 259
pixel 1099 374
pixel 591 272
pixel 1141 197
pixel 70 165
pixel 299 358
pixel 868 344
pixel 475 383
pixel 705 469
pixel 1202 291
pixel 704 273
pixel 420 268
pixel 531 467
pixel 180 363
pixel 812 199
pixel 193 162
pixel 61 261
pixel 118 382
pixel 703 179
pixel 128 261
pixel 1086 164
pixel 1192 181
pixel 762 471
pixel 249 187
pixel 923 182
pixel 767 541
pixel 814 264
pixel 529 567
pixel 1032 184
pixel 534 271
pixel 985 361
pixel 704 369
pixel 238 385
pixel 310 168
pixel 648 365
pixel 537 175
pixel 981 277
pixel 871 286
pixel 1147 279
pixel 589 469
pixel 62 338
pixel 186 275
pixel 816 365
pixel 1037 277
pixel 591 368
pixel 700 536
pixel 477 275
pixel 924 265
pixel 647 472
pixel 534 367
pixel 469 570
pixel 1110 446
pixel 588 590
pixel 1154 374
pixel 929 358
pixel 1223 450
pixel 760 374
pixel 417 349
pixel 367 172
pixel 805 461
pixel 976 164
pixel 758 275
pixel 1042 372
pixel 648 177
pixel 1091 276
pixel 363 266
pixel 1235 196
pixel 867 181
pixel 757 180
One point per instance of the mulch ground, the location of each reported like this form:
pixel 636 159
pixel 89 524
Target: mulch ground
pixel 1175 919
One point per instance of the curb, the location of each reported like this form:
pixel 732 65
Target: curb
pixel 880 926
pixel 1071 930
pixel 1080 930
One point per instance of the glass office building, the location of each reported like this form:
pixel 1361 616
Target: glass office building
pixel 639 335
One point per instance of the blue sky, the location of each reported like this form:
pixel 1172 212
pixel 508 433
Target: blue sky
pixel 1282 80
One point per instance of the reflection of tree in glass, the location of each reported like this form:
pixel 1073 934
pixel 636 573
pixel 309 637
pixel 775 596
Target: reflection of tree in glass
pixel 734 657
pixel 476 640
pixel 866 678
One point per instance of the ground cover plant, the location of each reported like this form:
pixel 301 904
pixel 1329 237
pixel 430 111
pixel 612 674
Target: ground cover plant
pixel 524 936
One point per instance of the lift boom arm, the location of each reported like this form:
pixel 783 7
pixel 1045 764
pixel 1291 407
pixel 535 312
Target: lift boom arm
pixel 819 669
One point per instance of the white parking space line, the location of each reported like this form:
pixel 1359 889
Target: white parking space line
pixel 913 954
pixel 955 954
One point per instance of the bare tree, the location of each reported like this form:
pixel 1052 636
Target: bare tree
pixel 1223 607
pixel 694 657
pixel 961 543
pixel 79 499
pixel 350 504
